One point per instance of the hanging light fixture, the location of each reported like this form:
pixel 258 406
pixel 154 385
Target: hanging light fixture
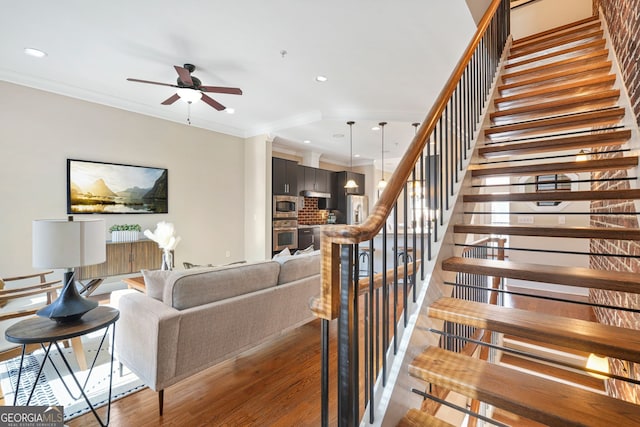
pixel 382 183
pixel 351 183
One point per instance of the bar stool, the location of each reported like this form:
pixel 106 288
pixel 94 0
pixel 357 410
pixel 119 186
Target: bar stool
pixel 363 257
pixel 404 253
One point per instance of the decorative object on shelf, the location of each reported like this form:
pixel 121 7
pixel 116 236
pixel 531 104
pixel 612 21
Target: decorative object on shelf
pixel 125 232
pixel 68 244
pixel 382 183
pixel 351 183
pixel 166 240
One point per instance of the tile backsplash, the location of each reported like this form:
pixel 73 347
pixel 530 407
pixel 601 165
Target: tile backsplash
pixel 310 214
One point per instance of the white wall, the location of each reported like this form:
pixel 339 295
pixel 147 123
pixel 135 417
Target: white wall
pixel 257 168
pixel 40 130
pixel 545 14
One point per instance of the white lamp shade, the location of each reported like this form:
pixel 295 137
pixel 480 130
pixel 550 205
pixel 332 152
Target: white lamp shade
pixel 189 95
pixel 351 184
pixel 68 244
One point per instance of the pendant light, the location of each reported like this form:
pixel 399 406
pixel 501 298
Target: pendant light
pixel 351 183
pixel 382 183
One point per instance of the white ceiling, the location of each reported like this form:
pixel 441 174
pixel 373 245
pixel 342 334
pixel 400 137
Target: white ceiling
pixel 385 61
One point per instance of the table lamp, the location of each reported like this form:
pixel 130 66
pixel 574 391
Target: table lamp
pixel 68 244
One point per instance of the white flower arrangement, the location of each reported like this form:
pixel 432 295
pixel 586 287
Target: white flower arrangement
pixel 163 236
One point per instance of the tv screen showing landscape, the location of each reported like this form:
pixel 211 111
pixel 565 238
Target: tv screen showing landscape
pixel 109 188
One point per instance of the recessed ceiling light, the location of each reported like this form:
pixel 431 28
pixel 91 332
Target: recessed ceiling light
pixel 321 78
pixel 230 110
pixel 356 155
pixel 306 141
pixel 36 53
pixel 375 128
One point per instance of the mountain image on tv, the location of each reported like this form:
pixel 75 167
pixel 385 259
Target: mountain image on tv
pixel 95 187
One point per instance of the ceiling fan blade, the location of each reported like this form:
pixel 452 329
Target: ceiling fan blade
pixel 184 74
pixel 215 104
pixel 173 98
pixel 153 83
pixel 219 89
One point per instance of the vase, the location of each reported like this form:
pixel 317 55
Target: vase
pixel 167 260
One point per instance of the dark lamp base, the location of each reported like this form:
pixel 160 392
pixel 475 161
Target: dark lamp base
pixel 69 306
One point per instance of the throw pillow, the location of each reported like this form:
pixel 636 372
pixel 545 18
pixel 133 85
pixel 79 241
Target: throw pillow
pixel 188 265
pixel 286 252
pixel 154 282
pixel 304 251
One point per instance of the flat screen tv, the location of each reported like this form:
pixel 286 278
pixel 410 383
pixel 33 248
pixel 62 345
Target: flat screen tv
pixel 111 188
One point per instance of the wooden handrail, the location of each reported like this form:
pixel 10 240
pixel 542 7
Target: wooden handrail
pixel 328 304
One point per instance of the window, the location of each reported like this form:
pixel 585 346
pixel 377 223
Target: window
pixel 552 183
pixel 499 210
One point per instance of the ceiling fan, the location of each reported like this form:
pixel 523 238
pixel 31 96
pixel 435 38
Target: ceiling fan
pixel 190 88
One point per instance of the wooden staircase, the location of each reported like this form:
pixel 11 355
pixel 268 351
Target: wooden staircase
pixel 556 97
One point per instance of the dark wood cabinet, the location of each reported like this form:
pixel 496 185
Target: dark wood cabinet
pixel 314 179
pixel 124 258
pixel 284 177
pixel 308 236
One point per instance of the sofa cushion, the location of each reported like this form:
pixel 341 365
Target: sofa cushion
pixel 299 266
pixel 155 282
pixel 193 288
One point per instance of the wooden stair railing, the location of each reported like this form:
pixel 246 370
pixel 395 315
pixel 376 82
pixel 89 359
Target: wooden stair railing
pixel 525 394
pixel 451 124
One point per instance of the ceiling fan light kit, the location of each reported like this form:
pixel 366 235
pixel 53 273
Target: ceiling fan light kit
pixel 190 88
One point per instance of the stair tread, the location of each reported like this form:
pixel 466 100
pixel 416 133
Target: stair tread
pixel 418 418
pixel 569 276
pixel 579 334
pixel 607 80
pixel 572 232
pixel 587 57
pixel 536 398
pixel 614 163
pixel 596 44
pixel 556 104
pixel 589 140
pixel 583 118
pixel 580 378
pixel 553 44
pixel 595 67
pixel 562 196
pixel 556 36
pixel 558 28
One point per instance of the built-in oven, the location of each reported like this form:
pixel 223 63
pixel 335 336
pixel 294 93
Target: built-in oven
pixel 285 234
pixel 285 207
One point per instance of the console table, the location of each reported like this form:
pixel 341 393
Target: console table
pixel 47 333
pixel 124 258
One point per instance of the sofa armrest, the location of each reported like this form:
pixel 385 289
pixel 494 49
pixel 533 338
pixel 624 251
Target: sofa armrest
pixel 146 334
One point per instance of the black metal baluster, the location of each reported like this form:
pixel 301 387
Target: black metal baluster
pixel 324 374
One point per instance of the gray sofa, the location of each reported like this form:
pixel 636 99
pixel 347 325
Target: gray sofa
pixel 190 320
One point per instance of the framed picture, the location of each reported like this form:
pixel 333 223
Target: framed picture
pixel 111 188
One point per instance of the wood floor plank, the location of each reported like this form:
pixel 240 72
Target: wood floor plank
pixel 536 398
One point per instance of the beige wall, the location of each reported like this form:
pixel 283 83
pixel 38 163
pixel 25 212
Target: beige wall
pixel 40 130
pixel 257 186
pixel 544 14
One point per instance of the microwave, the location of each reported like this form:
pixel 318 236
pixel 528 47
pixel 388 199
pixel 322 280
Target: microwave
pixel 285 206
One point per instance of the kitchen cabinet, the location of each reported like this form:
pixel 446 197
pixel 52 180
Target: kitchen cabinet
pixel 284 177
pixel 314 179
pixel 124 258
pixel 308 236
